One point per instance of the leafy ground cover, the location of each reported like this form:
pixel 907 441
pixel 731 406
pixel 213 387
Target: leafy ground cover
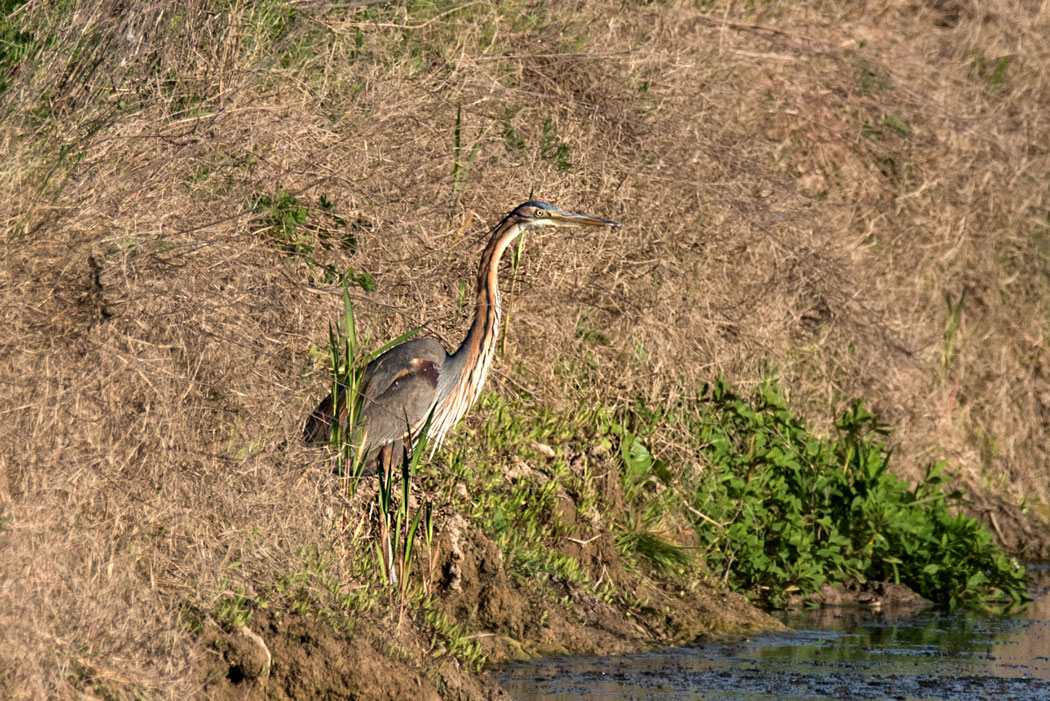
pixel 778 510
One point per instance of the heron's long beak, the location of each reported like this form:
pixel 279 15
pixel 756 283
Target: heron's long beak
pixel 563 217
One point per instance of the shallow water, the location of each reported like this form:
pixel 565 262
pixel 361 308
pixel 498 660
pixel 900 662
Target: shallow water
pixel 850 654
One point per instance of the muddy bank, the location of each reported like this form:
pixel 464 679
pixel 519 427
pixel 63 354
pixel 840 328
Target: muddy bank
pixel 303 655
pixel 307 658
pixel 317 652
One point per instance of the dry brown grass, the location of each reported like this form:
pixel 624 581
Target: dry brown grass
pixel 155 362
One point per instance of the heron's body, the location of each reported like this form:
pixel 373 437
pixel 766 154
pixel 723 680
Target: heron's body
pixel 418 378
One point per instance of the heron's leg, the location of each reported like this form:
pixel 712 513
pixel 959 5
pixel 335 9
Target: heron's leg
pixel 398 454
pixel 381 460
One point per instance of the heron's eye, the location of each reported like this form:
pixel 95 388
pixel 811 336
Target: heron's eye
pixel 540 213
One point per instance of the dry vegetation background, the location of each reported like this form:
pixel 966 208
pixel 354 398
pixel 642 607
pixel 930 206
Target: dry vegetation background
pixel 856 193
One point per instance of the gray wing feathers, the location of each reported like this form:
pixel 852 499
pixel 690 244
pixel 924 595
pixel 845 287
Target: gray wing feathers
pixel 400 388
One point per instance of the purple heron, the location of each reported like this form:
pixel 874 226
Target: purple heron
pixel 418 379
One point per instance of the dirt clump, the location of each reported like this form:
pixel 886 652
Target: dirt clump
pixel 872 595
pixel 299 657
pixel 475 585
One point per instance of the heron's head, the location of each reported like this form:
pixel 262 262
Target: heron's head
pixel 533 215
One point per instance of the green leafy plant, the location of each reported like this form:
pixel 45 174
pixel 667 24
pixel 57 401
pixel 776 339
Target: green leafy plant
pixel 305 232
pixel 233 609
pixel 553 150
pixel 642 532
pixel 782 510
pixel 461 164
pixel 459 644
pixel 530 518
pixel 765 504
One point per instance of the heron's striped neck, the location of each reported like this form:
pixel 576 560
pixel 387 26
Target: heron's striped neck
pixel 474 355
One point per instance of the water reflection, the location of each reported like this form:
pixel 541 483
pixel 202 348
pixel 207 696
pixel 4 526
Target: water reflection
pixel 830 654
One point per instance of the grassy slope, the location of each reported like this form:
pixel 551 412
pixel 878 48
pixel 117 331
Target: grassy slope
pixel 816 187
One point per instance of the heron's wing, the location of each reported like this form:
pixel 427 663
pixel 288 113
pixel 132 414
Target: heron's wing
pixel 400 387
pixel 382 372
pixel 403 406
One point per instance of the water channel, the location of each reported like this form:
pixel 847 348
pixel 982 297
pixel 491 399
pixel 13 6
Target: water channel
pixel 829 654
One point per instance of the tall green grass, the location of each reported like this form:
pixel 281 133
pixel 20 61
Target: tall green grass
pixel 397 523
